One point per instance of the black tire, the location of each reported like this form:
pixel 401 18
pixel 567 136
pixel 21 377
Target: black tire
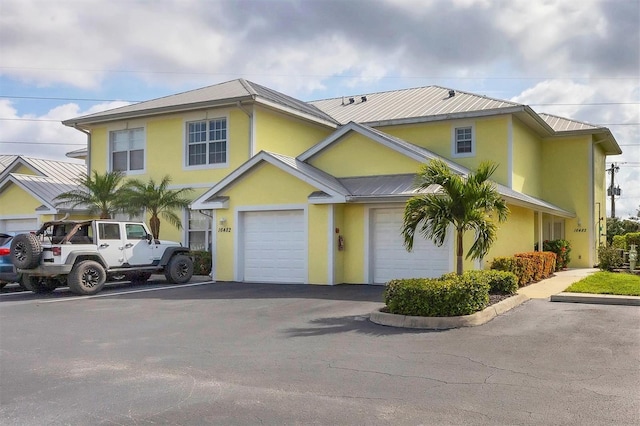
pixel 2 284
pixel 26 251
pixel 39 285
pixel 140 277
pixel 86 277
pixel 179 270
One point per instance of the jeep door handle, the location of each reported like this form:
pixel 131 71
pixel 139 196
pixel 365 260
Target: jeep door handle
pixel 104 245
pixel 128 245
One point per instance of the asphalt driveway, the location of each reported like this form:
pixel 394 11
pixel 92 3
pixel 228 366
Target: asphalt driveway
pixel 284 354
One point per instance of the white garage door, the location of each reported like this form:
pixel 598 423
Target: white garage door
pixel 18 225
pixel 274 246
pixel 390 258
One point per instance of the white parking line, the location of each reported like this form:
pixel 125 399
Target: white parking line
pixel 67 299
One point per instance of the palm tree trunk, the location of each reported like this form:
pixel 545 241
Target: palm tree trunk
pixel 459 251
pixel 154 223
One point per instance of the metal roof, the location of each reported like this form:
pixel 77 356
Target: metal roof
pixel 224 93
pixel 62 171
pixel 44 188
pixel 430 101
pixel 6 160
pixel 561 124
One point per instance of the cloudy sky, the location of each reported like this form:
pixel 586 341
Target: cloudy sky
pixel 575 58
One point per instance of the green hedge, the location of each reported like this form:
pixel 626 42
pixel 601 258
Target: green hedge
pixel 201 262
pixel 619 242
pixel 450 295
pixel 633 238
pixel 609 258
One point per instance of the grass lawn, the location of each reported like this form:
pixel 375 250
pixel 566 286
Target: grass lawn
pixel 608 283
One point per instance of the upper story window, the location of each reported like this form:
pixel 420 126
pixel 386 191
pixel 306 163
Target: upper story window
pixel 464 144
pixel 207 142
pixel 126 148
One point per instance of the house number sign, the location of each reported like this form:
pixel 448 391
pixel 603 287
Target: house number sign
pixel 224 229
pixel 580 230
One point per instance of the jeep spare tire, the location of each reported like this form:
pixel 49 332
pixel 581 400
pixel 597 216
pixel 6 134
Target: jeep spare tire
pixel 26 251
pixel 179 270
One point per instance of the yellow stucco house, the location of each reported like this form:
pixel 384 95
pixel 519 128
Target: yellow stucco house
pixel 28 187
pixel 288 191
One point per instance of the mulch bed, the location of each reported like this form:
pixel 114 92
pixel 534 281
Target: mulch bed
pixel 495 298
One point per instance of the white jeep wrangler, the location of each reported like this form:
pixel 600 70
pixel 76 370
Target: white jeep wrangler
pixel 86 254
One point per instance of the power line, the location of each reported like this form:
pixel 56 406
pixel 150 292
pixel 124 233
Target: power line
pixel 123 71
pixel 46 98
pixel 42 143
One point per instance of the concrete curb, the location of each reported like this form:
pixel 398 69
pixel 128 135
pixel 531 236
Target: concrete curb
pixel 598 299
pixel 443 323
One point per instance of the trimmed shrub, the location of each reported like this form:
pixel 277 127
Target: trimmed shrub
pixel 610 258
pixel 201 262
pixel 632 238
pixel 562 249
pixel 450 295
pixel 543 263
pixel 502 282
pixel 619 242
pixel 522 267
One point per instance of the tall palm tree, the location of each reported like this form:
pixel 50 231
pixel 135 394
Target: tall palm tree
pixel 158 200
pixel 99 193
pixel 464 202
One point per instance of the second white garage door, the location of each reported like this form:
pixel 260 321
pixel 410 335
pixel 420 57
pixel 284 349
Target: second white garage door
pixel 274 246
pixel 391 260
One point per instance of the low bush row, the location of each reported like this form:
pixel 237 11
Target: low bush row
pixel 624 241
pixel 201 262
pixel 528 267
pixel 449 295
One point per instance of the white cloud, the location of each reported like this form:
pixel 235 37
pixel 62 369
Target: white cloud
pixel 43 136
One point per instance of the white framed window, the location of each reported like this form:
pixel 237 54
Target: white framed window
pixel 126 150
pixel 199 231
pixel 463 141
pixel 206 142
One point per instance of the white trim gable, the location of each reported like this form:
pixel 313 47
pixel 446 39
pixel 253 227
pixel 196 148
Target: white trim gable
pixel 50 209
pixel 201 203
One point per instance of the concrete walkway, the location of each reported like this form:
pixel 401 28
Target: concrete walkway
pixel 556 284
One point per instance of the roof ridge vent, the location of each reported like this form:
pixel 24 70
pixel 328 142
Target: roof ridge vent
pixel 452 93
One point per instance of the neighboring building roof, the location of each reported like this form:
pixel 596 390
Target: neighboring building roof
pixel 406 104
pixel 81 153
pixel 50 179
pixel 44 188
pixel 63 171
pixel 227 93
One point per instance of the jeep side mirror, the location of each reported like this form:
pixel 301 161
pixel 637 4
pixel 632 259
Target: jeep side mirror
pixel 149 238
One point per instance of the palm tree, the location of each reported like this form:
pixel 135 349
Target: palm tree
pixel 465 203
pixel 158 200
pixel 99 193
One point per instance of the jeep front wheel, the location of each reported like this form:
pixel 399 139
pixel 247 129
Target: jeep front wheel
pixel 40 285
pixel 26 251
pixel 179 270
pixel 86 277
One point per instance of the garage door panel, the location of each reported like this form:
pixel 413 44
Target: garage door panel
pixel 274 246
pixel 390 258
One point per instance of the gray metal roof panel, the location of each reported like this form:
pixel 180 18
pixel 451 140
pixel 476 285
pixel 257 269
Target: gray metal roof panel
pixel 231 91
pixel 61 170
pixel 312 172
pixel 561 124
pixel 45 188
pixel 408 103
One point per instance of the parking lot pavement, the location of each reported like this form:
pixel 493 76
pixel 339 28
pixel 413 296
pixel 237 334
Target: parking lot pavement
pixel 280 354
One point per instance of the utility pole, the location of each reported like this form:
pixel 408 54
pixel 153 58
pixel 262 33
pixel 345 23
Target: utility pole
pixel 612 190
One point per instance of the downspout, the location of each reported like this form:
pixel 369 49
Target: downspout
pixel 252 145
pixel 88 160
